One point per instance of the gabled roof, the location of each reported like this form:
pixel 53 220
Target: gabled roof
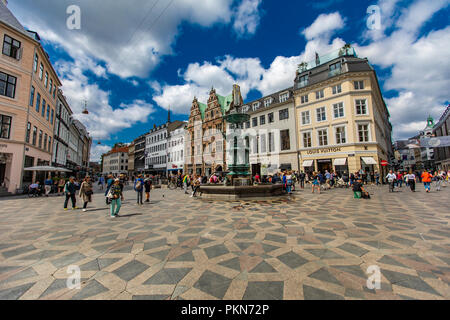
pixel 225 103
pixel 8 18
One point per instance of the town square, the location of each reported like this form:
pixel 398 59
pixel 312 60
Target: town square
pixel 226 150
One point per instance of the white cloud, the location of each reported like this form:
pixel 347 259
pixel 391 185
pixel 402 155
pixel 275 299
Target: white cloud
pixel 324 26
pixel 418 66
pixel 126 36
pixel 247 18
pixel 97 151
pixel 249 73
pixel 103 120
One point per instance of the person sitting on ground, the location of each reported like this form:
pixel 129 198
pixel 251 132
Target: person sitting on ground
pixel 359 191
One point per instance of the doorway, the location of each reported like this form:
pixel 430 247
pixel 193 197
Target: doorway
pixel 256 169
pixel 2 173
pixel 325 164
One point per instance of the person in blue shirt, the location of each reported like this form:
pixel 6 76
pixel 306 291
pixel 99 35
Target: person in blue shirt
pixel 139 188
pixel 109 183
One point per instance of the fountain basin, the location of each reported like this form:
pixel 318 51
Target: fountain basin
pixel 258 192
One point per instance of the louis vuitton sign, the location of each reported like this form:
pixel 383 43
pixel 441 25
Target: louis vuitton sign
pixel 326 150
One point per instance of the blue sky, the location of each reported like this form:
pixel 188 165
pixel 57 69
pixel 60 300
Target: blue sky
pixel 132 59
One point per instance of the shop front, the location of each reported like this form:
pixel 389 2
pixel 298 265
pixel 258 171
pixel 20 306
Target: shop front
pixel 340 166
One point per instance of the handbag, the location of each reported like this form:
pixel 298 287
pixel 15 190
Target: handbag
pixel 89 193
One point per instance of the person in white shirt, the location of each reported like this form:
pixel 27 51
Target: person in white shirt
pixel 391 177
pixel 411 178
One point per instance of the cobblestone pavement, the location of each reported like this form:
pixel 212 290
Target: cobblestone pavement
pixel 307 247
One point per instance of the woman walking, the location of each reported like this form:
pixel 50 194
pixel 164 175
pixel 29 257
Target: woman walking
pixel 426 179
pixel 289 182
pixel 116 197
pixel 69 190
pixel 86 192
pixel 315 182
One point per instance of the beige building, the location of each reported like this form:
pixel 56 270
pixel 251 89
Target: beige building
pixel 343 122
pixel 131 154
pixel 28 88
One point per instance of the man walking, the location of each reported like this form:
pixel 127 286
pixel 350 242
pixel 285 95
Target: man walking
pixel 185 183
pixel 70 191
pixel 391 177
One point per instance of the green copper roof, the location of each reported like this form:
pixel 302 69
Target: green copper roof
pixel 202 108
pixel 225 102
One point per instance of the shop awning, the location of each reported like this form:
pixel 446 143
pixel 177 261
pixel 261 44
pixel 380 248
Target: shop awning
pixel 47 169
pixel 368 160
pixel 308 163
pixel 340 162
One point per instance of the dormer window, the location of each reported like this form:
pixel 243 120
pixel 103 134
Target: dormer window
pixel 284 97
pixel 268 102
pixel 255 106
pixel 11 48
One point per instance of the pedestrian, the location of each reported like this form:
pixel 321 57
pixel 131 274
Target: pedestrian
pixel 48 185
pixel 70 190
pixel 115 195
pixel 391 178
pixel 139 188
pixel 148 187
pixel 86 192
pixel 289 182
pixel 411 178
pixel 315 182
pixel 426 179
pixel 302 178
pixel 377 178
pixel 196 185
pixel 101 182
pixel 186 183
pixel 437 178
pixel 61 184
pixel 399 179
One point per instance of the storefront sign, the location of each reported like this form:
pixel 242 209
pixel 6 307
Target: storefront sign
pixel 327 150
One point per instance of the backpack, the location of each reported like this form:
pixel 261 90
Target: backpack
pixel 139 185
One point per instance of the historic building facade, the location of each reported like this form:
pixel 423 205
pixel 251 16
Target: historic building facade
pixel 115 162
pixel 175 149
pixel 28 88
pixel 442 129
pixel 272 133
pixel 205 144
pixel 343 122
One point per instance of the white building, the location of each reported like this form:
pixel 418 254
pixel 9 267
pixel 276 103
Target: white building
pixel 175 148
pixel 272 133
pixel 156 150
pixel 115 162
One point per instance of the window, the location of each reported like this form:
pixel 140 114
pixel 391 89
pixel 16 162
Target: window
pixel 40 138
pixel 303 81
pixel 307 141
pixel 262 120
pixel 337 89
pixel 255 106
pixel 51 117
pixel 44 103
pixel 361 107
pixel 48 113
pixel 49 144
pixel 267 102
pixel 285 140
pixel 27 137
pixel 284 114
pixel 340 135
pixel 46 80
pixel 254 122
pixel 34 135
pixel 7 85
pixel 359 85
pixel 363 132
pixel 263 144
pixel 304 99
pixel 270 117
pixel 284 97
pixel 38 102
pixel 45 141
pixel 5 126
pixel 306 119
pixel 319 94
pixel 41 71
pixel 338 110
pixel 35 67
pixel 11 47
pixel 32 96
pixel 271 142
pixel 335 69
pixel 51 86
pixel 54 91
pixel 323 137
pixel 247 125
pixel 321 114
